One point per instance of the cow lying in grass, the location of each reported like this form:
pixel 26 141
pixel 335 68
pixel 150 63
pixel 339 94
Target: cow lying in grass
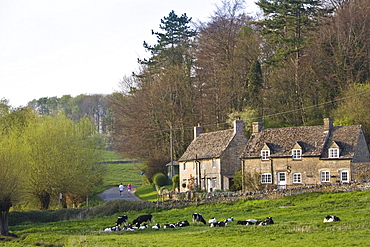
pixel 331 218
pixel 268 221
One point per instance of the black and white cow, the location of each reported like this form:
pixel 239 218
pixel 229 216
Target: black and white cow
pixel 197 218
pixel 247 222
pixel 331 218
pixel 122 219
pixel 269 221
pixel 219 224
pixel 142 218
pixel 182 223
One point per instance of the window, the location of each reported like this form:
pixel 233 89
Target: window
pixel 333 152
pixel 265 154
pixel 325 176
pixel 297 178
pixel 202 164
pixel 344 177
pixel 214 181
pixel 213 163
pixel 266 178
pixel 297 154
pixel 184 166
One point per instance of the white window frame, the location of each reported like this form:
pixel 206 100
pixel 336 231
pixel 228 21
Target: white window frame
pixel 325 176
pixel 266 178
pixel 214 165
pixel 346 180
pixel 297 178
pixel 297 154
pixel 333 152
pixel 265 154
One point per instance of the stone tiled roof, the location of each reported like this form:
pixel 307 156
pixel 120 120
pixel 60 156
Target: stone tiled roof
pixel 313 140
pixel 208 145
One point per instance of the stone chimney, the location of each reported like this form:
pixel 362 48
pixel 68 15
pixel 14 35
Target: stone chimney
pixel 328 124
pixel 198 130
pixel 238 127
pixel 257 127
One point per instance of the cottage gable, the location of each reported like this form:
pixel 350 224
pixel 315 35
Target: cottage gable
pixel 208 145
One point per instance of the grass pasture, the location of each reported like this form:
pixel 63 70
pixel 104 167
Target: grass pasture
pixel 298 222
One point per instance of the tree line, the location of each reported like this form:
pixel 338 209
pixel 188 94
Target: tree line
pixel 298 62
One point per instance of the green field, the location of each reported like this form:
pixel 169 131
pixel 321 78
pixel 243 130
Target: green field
pixel 298 222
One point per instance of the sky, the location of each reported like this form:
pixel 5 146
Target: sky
pixel 51 48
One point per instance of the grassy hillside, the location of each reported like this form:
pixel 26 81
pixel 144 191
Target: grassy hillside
pixel 298 222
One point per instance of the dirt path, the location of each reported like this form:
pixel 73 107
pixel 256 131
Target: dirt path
pixel 113 193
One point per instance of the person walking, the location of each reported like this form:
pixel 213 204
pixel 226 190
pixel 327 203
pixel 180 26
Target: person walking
pixel 129 189
pixel 121 188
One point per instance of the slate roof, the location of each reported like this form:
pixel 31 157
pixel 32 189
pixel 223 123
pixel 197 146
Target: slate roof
pixel 208 145
pixel 313 140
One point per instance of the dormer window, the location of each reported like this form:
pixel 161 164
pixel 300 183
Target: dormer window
pixel 333 152
pixel 265 154
pixel 297 154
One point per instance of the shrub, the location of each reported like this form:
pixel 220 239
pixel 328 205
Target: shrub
pixel 159 179
pixel 176 182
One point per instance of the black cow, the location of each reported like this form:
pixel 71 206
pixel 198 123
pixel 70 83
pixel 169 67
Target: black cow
pixel 198 218
pixel 142 218
pixel 122 219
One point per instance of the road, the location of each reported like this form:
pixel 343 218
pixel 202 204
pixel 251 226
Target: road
pixel 113 193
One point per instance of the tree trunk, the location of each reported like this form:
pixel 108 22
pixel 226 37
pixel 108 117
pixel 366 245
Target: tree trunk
pixel 44 198
pixel 4 221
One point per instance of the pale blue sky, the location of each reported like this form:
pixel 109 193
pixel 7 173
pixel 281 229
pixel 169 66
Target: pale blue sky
pixel 56 47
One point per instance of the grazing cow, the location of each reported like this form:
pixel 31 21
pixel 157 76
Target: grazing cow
pixel 269 221
pixel 142 218
pixel 331 218
pixel 198 218
pixel 122 219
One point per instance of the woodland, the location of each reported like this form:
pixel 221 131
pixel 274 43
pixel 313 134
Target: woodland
pixel 293 65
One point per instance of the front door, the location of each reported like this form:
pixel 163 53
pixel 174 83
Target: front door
pixel 281 180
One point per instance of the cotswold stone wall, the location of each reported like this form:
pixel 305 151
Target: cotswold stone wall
pixel 175 199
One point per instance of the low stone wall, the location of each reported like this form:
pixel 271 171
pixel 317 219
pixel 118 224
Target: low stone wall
pixel 175 199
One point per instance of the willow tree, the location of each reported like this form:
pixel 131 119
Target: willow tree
pixel 62 159
pixel 12 161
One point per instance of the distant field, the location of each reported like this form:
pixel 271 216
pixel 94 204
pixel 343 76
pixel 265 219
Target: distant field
pixel 298 222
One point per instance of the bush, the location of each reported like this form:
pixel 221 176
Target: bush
pixel 159 179
pixel 176 182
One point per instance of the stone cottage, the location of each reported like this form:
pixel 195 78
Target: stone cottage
pixel 210 161
pixel 307 155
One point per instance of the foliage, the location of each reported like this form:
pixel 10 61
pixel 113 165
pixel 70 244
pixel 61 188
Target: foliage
pixel 298 221
pixel 159 179
pixel 176 182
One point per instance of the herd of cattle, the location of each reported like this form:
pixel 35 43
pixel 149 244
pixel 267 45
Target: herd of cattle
pixel 142 222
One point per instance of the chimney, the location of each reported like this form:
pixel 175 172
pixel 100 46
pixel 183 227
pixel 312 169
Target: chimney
pixel 198 130
pixel 238 127
pixel 328 124
pixel 257 127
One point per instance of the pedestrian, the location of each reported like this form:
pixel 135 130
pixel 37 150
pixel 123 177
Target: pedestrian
pixel 129 189
pixel 121 188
